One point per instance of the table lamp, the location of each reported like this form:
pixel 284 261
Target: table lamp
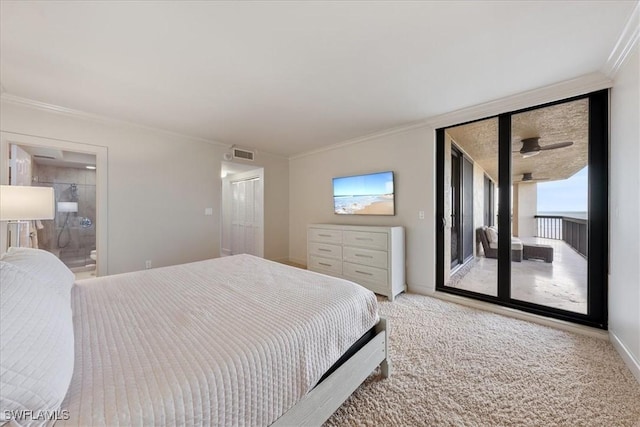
pixel 19 204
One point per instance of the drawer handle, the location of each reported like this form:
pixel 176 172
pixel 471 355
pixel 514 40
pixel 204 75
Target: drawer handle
pixel 364 238
pixel 324 250
pixel 364 272
pixel 363 256
pixel 324 235
pixel 325 264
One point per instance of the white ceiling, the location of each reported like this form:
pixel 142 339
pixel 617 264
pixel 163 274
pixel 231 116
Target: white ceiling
pixel 289 77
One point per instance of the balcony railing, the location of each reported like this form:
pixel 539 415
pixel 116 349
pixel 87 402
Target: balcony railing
pixel 573 231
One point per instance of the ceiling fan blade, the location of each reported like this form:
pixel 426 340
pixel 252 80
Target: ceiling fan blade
pixel 556 145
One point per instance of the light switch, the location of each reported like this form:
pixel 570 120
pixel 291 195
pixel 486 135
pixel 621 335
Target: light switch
pixel 208 211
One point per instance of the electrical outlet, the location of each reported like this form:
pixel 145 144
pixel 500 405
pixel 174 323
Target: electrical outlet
pixel 420 214
pixel 147 264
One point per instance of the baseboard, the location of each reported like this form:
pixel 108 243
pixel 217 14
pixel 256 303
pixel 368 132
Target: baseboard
pixel 225 252
pixel 632 363
pixel 522 315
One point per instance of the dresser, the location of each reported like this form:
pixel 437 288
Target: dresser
pixel 370 256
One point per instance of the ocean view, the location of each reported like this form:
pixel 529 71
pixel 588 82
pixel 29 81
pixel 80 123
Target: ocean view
pixel 554 227
pixel 577 215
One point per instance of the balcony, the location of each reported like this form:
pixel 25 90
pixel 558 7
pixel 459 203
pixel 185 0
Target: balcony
pixel 572 231
pixel 561 284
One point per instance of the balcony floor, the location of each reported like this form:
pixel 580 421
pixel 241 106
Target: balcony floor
pixel 561 284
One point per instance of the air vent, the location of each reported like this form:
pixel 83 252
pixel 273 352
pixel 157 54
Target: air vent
pixel 243 154
pixel 40 156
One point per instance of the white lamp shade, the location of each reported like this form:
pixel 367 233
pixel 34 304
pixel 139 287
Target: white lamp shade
pixel 26 203
pixel 67 206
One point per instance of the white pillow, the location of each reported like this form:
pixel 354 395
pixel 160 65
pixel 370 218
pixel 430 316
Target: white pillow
pixel 43 265
pixel 492 235
pixel 36 344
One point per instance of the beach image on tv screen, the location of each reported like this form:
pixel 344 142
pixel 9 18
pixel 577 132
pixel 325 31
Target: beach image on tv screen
pixel 364 194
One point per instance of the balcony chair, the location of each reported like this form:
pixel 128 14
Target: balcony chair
pixel 489 242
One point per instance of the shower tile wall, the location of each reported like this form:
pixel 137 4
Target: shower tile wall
pixel 76 241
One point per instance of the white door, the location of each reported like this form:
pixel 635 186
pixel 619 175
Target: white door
pixel 246 217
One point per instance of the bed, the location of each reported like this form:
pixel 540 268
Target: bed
pixel 230 341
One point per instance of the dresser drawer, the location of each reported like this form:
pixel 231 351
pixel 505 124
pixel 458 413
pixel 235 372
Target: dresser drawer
pixel 325 236
pixel 366 256
pixel 366 239
pixel 325 250
pixel 317 263
pixel 364 273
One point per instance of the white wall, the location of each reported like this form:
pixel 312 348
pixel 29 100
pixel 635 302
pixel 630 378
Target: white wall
pixel 525 207
pixel 158 187
pixel 624 283
pixel 411 155
pixel 478 202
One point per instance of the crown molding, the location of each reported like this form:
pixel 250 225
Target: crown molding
pixel 555 92
pixel 18 100
pixel 566 89
pixel 368 137
pixel 628 40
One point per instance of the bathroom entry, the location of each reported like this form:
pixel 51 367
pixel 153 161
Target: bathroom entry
pixel 71 235
pixel 242 209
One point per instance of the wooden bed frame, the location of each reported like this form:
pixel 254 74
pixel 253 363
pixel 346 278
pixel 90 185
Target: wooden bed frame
pixel 321 402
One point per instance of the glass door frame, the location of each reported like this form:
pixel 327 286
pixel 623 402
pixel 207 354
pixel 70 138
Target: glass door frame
pixel 598 219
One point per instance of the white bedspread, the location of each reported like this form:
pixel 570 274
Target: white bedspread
pixel 230 341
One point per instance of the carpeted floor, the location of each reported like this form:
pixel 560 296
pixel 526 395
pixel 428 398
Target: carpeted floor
pixel 458 366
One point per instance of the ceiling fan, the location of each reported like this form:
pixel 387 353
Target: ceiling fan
pixel 531 147
pixel 528 177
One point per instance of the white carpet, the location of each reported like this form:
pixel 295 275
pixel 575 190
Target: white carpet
pixel 454 365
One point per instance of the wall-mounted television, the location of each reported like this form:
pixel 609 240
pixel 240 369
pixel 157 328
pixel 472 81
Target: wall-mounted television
pixel 370 194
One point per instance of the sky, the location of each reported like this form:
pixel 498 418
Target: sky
pixel 569 195
pixel 364 185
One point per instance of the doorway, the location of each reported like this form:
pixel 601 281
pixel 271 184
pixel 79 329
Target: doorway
pixel 71 235
pixel 242 209
pixel 85 234
pixel 541 223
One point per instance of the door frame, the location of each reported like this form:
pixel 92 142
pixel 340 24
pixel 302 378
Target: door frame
pixel 598 221
pixel 489 198
pixel 456 206
pixel 227 203
pixel 460 205
pixel 101 153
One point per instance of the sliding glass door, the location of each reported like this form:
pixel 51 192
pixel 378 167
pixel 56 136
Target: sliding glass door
pixel 470 162
pixel 550 205
pixel 536 203
pixel 461 208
